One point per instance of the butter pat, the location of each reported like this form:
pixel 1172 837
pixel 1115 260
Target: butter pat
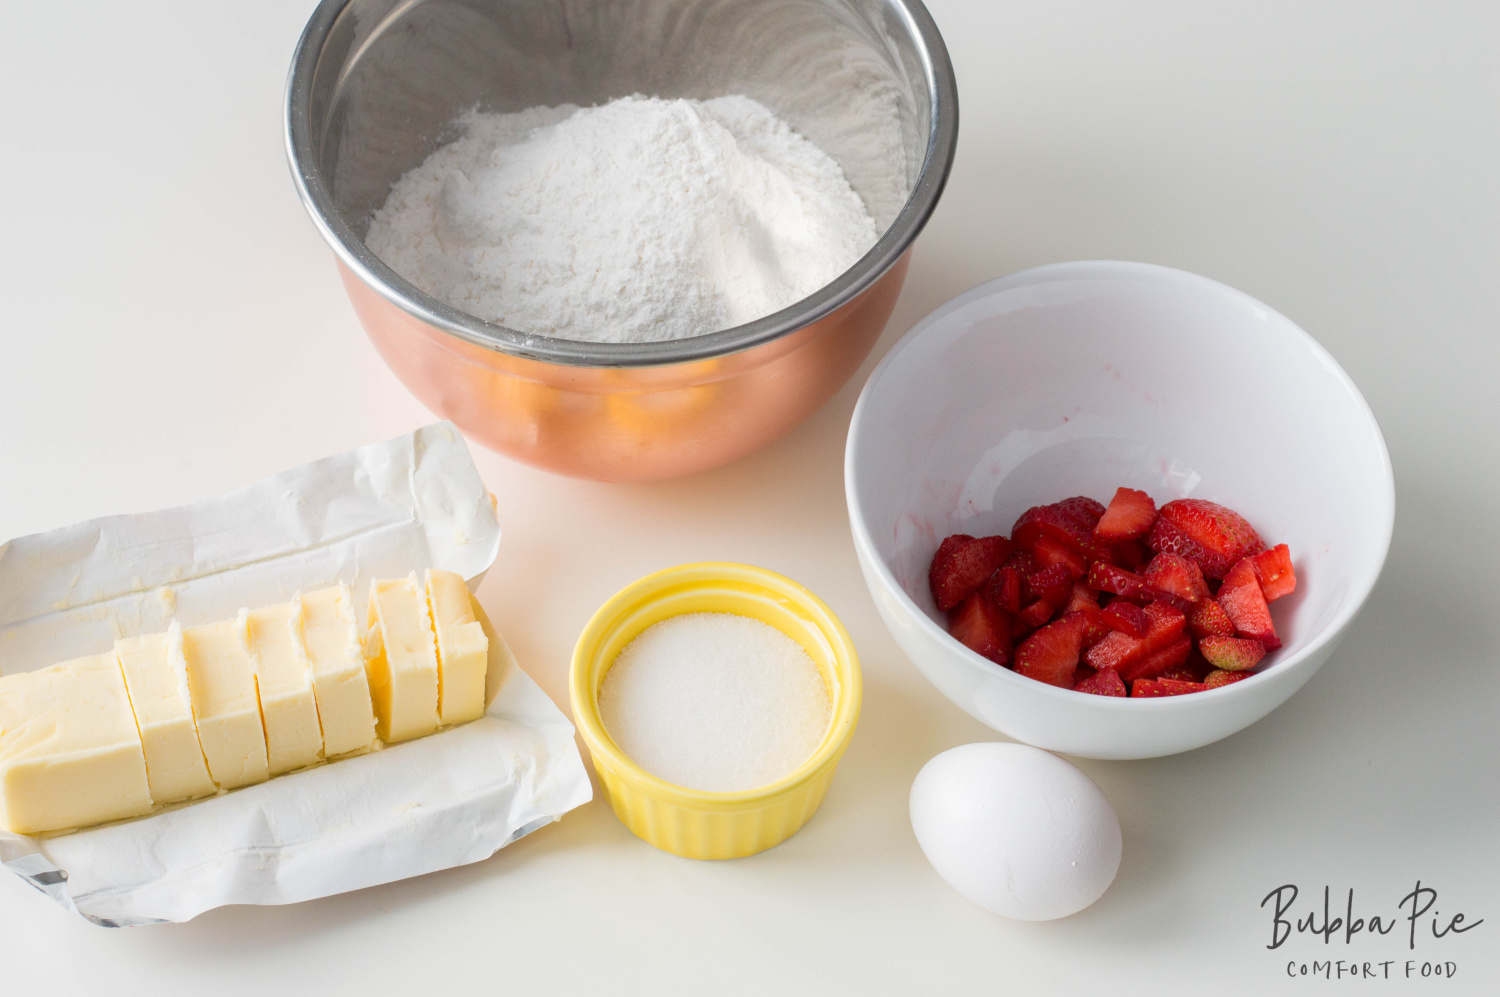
pixel 328 642
pixel 70 754
pixel 463 649
pixel 164 715
pixel 401 660
pixel 287 703
pixel 221 679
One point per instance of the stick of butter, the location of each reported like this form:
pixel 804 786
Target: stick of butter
pixel 164 714
pixel 328 641
pixel 463 649
pixel 287 703
pixel 221 680
pixel 70 754
pixel 401 660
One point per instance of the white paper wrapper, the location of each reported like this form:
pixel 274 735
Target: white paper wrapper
pixel 433 803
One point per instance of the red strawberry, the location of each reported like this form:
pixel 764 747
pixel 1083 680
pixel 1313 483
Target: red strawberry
pixel 1208 619
pixel 1069 522
pixel 1105 683
pixel 983 627
pixel 1145 689
pixel 1114 650
pixel 1019 631
pixel 1245 604
pixel 1037 613
pixel 1205 532
pixel 1158 662
pixel 1194 669
pixel 1049 552
pixel 1219 677
pixel 1051 654
pixel 1176 687
pixel 1231 654
pixel 1129 516
pixel 1092 621
pixel 964 567
pixel 1083 598
pixel 1126 617
pixel 1082 509
pixel 1108 578
pixel 1054 584
pixel 1176 574
pixel 1004 587
pixel 1020 558
pixel 1273 569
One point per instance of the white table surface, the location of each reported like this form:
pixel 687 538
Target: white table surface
pixel 174 328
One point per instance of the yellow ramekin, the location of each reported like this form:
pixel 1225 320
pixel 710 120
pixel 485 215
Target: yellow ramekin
pixel 690 822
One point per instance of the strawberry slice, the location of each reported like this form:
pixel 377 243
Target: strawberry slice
pixel 1051 654
pixel 1208 619
pixel 1092 621
pixel 1273 569
pixel 1083 509
pixel 1158 662
pixel 1069 522
pixel 1245 604
pixel 1037 613
pixel 1127 617
pixel 964 566
pixel 1147 688
pixel 1108 578
pixel 1219 677
pixel 1176 574
pixel 1105 683
pixel 1083 598
pixel 1115 650
pixel 1129 516
pixel 1053 584
pixel 1214 536
pixel 1232 654
pixel 982 627
pixel 1049 552
pixel 1004 587
pixel 1131 555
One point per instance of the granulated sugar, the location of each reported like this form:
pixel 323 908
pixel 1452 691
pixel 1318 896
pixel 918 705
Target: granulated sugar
pixel 638 220
pixel 714 701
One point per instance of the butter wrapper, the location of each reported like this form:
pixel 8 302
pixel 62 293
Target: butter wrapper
pixel 440 801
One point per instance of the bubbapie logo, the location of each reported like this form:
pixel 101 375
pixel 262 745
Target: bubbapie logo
pixel 1324 936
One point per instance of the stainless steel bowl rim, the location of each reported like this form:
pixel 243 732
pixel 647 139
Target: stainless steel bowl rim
pixel 351 250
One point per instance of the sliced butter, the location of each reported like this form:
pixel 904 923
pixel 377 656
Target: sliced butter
pixel 401 660
pixel 221 679
pixel 70 753
pixel 164 715
pixel 287 703
pixel 329 644
pixel 463 649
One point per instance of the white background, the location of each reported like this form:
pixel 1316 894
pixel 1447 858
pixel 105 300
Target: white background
pixel 173 327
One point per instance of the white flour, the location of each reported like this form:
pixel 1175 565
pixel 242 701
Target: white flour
pixel 638 220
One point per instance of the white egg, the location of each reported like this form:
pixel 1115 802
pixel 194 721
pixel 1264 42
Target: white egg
pixel 1016 829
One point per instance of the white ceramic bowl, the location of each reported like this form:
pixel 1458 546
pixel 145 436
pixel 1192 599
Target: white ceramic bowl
pixel 1075 379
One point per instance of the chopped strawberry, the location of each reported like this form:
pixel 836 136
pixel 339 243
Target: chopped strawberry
pixel 1083 597
pixel 1005 588
pixel 1219 677
pixel 1129 516
pixel 1092 621
pixel 1176 574
pixel 1051 654
pixel 1108 578
pixel 964 567
pixel 1021 560
pixel 1177 687
pixel 1245 604
pixel 1194 669
pixel 1019 630
pixel 1126 617
pixel 1166 623
pixel 1105 683
pixel 1054 584
pixel 1231 654
pixel 1114 650
pixel 1208 619
pixel 1083 509
pixel 1273 569
pixel 1158 662
pixel 1131 555
pixel 1049 552
pixel 1069 522
pixel 1205 532
pixel 1037 613
pixel 982 627
pixel 1145 689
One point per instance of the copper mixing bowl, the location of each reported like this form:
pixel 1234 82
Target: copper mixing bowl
pixel 375 87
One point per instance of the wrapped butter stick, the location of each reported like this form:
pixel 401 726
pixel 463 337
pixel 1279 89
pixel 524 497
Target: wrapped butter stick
pixel 309 538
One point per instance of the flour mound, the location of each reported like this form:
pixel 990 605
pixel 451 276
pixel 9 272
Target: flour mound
pixel 638 220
